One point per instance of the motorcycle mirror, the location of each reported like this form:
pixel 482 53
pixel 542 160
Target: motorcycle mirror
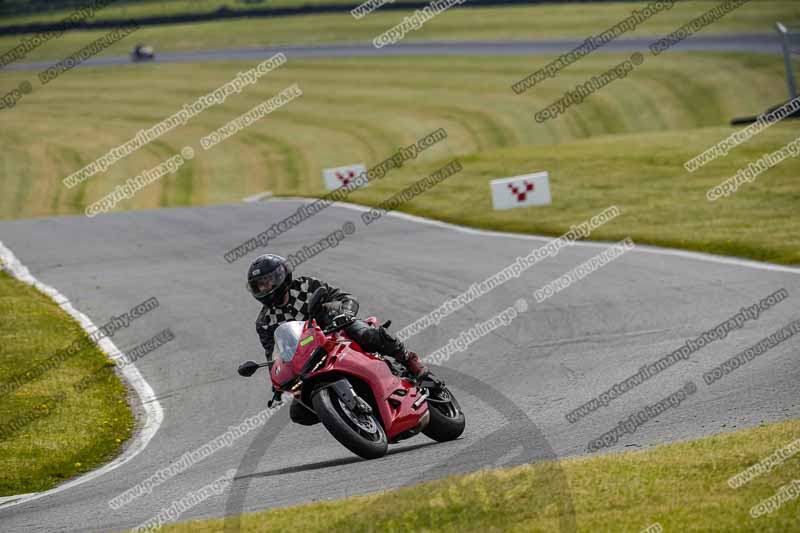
pixel 248 368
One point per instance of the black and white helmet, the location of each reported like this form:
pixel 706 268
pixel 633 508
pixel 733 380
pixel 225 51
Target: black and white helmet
pixel 268 279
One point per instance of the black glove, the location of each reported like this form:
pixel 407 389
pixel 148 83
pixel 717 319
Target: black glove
pixel 332 308
pixel 338 313
pixel 337 308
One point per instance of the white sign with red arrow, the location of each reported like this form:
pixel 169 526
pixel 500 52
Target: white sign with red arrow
pixel 521 191
pixel 339 176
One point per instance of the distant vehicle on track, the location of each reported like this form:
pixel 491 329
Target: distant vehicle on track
pixel 142 52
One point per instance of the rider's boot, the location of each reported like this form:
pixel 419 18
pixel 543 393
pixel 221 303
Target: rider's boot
pixel 381 341
pixel 412 362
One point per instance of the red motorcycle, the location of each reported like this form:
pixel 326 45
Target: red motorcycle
pixel 366 401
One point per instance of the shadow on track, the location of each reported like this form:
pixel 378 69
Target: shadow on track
pixel 327 464
pixel 551 486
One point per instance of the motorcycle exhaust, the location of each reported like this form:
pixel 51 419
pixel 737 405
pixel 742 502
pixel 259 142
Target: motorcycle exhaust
pixel 422 397
pixel 423 421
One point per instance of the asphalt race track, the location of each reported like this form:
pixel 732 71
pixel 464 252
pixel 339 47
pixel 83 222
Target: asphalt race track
pixel 766 43
pixel 515 385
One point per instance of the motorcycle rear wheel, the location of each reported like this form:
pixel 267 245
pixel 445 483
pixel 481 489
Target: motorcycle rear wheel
pixel 360 433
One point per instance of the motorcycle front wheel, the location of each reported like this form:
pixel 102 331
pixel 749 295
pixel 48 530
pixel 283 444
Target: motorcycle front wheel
pixel 447 420
pixel 360 433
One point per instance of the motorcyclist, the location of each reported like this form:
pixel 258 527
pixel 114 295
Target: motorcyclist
pixel 285 298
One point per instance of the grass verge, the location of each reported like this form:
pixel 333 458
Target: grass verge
pixel 642 174
pixel 57 425
pixel 682 486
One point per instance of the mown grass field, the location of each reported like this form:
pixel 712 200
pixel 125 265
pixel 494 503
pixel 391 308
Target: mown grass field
pixel 624 145
pixel 505 23
pixel 682 486
pixel 157 8
pixel 45 439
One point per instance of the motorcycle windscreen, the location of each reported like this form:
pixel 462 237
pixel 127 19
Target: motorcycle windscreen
pixel 287 338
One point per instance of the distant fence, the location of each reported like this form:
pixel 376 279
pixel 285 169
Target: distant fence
pixel 26 7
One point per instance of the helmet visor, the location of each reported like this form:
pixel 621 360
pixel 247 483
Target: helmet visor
pixel 265 284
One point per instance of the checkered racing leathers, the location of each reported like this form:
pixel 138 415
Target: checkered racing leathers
pixel 296 308
pixel 371 339
pixel 374 340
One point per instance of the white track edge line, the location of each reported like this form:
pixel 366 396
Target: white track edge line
pixel 640 248
pixel 257 197
pixel 153 412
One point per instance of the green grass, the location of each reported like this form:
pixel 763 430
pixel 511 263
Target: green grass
pixel 682 486
pixel 641 173
pixel 134 10
pixel 516 23
pixel 624 145
pixel 66 435
pixel 158 8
